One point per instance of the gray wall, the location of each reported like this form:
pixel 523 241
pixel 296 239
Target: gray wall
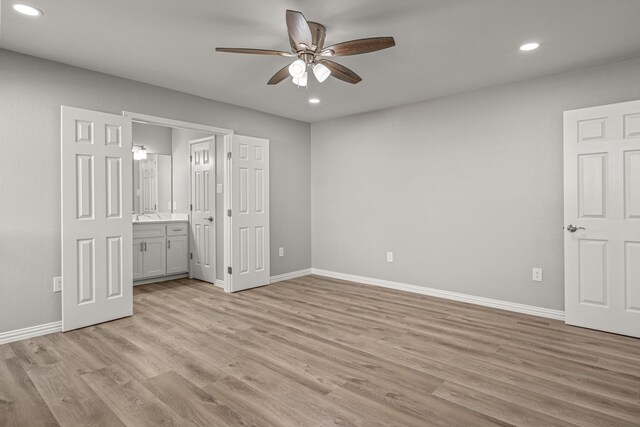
pixel 465 190
pixel 31 92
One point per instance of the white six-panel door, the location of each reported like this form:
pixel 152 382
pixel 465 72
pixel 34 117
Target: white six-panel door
pixel 250 258
pixel 203 209
pixel 602 217
pixel 96 218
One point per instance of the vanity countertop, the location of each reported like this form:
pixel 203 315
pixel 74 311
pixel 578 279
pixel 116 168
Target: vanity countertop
pixel 159 218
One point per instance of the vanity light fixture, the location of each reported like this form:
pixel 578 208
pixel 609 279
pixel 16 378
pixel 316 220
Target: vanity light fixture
pixel 529 46
pixel 26 9
pixel 139 152
pixel 314 101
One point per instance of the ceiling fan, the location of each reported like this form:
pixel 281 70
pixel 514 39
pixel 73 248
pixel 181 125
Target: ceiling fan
pixel 307 44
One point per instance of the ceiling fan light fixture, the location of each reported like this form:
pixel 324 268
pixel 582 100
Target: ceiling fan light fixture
pixel 321 72
pixel 302 80
pixel 297 68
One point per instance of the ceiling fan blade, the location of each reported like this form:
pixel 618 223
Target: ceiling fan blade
pixel 298 28
pixel 279 76
pixel 341 72
pixel 356 47
pixel 253 51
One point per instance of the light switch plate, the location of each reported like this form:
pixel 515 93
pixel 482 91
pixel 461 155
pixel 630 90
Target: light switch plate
pixel 389 256
pixel 280 252
pixel 219 188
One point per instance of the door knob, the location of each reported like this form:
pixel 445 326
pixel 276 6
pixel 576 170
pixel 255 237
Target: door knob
pixel 210 219
pixel 573 228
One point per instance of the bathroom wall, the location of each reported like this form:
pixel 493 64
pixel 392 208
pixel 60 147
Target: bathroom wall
pixel 31 93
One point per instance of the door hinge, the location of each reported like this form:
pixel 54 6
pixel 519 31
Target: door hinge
pixel 229 269
pixel 229 212
pixel 191 255
pixel 191 158
pixel 190 206
pixel 229 155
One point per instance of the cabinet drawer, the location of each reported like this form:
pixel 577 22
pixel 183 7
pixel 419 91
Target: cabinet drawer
pixel 148 230
pixel 177 229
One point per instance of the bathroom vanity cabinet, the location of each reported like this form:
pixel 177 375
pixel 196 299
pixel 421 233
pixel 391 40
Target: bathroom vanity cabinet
pixel 160 249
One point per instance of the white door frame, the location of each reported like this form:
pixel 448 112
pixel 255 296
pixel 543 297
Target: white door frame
pixel 226 135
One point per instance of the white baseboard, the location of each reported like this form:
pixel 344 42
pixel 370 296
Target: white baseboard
pixel 219 283
pixel 291 275
pixel 33 331
pixel 455 296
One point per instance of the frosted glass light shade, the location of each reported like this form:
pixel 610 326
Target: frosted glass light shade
pixel 297 68
pixel 301 81
pixel 321 72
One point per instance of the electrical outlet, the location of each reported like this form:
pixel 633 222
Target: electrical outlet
pixel 389 256
pixel 537 274
pixel 57 284
pixel 281 252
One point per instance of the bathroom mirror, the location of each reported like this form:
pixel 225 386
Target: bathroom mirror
pixel 152 184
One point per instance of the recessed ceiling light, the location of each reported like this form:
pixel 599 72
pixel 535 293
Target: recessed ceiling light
pixel 25 9
pixel 529 46
pixel 314 101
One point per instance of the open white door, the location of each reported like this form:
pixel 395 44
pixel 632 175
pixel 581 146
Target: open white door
pixel 249 186
pixel 602 217
pixel 203 209
pixel 96 220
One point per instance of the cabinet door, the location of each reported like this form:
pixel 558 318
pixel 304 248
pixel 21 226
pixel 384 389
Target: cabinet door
pixel 138 254
pixel 177 259
pixel 155 257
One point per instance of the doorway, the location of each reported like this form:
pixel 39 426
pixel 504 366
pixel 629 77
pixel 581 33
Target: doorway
pixel 195 178
pixel 98 198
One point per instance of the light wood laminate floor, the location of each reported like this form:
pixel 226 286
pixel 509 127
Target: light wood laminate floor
pixel 317 352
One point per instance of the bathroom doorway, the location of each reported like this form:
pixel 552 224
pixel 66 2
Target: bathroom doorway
pixel 102 253
pixel 181 207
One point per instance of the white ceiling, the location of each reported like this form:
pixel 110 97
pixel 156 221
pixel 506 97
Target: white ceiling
pixel 443 46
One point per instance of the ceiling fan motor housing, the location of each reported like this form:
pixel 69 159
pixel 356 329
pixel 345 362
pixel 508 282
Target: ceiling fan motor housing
pixel 318 34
